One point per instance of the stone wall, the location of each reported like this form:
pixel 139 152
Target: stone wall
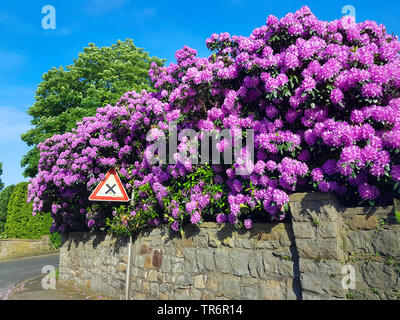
pixel 16 248
pixel 303 259
pixel 331 238
pixel 211 262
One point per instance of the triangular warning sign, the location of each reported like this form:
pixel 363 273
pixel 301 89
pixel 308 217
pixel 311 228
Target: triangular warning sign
pixel 110 189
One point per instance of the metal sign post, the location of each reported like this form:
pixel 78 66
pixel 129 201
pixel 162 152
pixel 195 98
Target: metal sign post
pixel 128 269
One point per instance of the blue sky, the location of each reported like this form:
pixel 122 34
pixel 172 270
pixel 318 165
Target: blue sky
pixel 27 51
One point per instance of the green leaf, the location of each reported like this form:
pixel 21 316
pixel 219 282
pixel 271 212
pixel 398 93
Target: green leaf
pixel 371 203
pixel 397 215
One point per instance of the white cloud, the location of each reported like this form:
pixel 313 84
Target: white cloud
pixel 13 122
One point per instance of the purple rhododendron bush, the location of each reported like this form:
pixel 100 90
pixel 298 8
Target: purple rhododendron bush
pixel 322 98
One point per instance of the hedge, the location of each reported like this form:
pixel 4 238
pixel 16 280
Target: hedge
pixel 20 221
pixel 4 199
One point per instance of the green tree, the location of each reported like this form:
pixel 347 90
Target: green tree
pixel 5 196
pixel 20 222
pixel 99 76
pixel 1 172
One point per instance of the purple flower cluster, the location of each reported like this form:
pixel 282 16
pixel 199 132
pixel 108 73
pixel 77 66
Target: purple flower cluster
pixel 322 98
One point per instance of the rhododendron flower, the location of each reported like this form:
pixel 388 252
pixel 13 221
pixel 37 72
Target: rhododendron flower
pixel 248 224
pixel 368 192
pixel 325 116
pixel 90 223
pixel 175 225
pixel 221 218
pixel 396 173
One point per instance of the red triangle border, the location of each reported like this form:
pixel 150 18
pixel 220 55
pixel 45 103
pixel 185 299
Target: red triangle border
pixel 95 197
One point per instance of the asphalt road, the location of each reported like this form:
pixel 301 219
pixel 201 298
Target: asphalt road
pixel 14 271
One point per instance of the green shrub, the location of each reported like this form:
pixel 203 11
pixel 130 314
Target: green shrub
pixel 397 214
pixel 4 199
pixel 55 240
pixel 20 222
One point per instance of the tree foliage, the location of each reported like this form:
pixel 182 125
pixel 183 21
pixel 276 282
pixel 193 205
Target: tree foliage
pixel 1 172
pixel 20 222
pixel 98 77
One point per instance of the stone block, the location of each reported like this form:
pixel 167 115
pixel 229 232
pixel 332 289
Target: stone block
pixel 304 230
pixel 121 267
pixel 325 268
pixel 357 242
pixel 239 262
pixel 143 248
pixel 202 241
pixel 322 211
pixel 148 262
pixel 184 280
pixel 152 275
pixel 212 282
pixel 179 253
pixel 154 289
pixel 196 294
pixel 187 242
pixel 199 281
pixel 157 258
pixel 272 290
pixel 275 265
pixel 139 261
pixel 326 249
pixel 182 294
pixel 222 261
pixel 163 296
pixel 244 243
pixel 170 278
pixel 272 244
pixel 230 287
pixel 207 295
pixel 363 222
pixel 166 263
pixel 322 285
pixel 145 286
pixel 229 242
pixel 387 241
pixel 205 259
pixel 249 293
pixel 256 266
pixel 190 257
pixel 177 267
pixel 165 288
pixel 380 275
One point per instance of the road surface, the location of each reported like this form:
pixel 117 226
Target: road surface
pixel 14 271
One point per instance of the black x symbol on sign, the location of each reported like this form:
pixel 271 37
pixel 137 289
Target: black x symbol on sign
pixel 110 189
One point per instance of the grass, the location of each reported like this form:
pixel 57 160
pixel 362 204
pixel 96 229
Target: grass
pixel 315 222
pixel 33 253
pixel 390 261
pixel 350 296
